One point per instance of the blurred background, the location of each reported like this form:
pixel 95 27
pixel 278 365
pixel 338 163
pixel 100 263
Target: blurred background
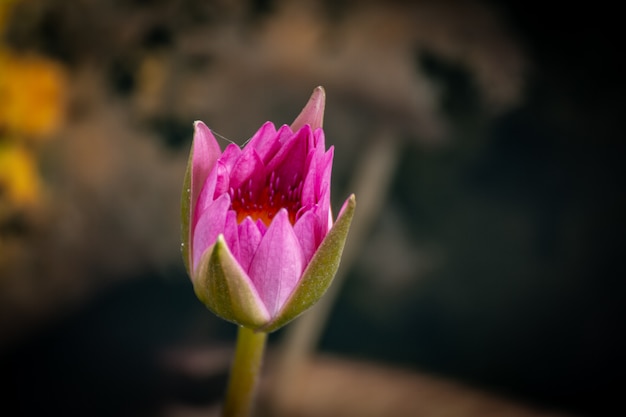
pixel 484 140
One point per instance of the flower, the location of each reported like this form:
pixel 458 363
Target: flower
pixel 259 240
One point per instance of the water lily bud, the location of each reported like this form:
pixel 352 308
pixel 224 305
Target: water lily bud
pixel 259 240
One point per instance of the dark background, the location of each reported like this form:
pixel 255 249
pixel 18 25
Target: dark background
pixel 520 214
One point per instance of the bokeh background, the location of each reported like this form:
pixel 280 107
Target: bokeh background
pixel 484 140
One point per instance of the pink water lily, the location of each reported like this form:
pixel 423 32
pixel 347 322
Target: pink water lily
pixel 259 240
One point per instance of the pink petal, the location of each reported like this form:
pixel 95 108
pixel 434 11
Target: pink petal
pixel 230 156
pixel 210 224
pixel 278 263
pixel 305 231
pixel 248 167
pixel 231 233
pixel 323 187
pixel 318 176
pixel 249 238
pixel 222 183
pixel 205 152
pixel 288 163
pixel 260 138
pixel 205 198
pixel 325 170
pixel 261 226
pixel 325 212
pixel 319 136
pixel 309 193
pixel 283 134
pixel 313 113
pixel 267 141
pixel 270 147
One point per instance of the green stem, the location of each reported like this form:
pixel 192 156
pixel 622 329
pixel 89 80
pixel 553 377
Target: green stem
pixel 244 373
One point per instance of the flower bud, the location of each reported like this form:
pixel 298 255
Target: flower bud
pixel 259 240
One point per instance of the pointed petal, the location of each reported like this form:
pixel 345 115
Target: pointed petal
pixel 269 149
pixel 222 179
pixel 319 273
pixel 230 156
pixel 204 152
pixel 319 138
pixel 210 224
pixel 266 141
pixel 325 168
pixel 206 196
pixel 278 263
pixel 290 160
pixel 248 167
pixel 283 134
pixel 305 232
pixel 231 233
pixel 317 175
pixel 224 288
pixel 249 238
pixel 324 186
pixel 261 226
pixel 308 195
pixel 313 113
pixel 325 212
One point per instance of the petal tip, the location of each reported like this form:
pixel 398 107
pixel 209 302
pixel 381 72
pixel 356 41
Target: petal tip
pixel 313 112
pixel 349 204
pixel 199 123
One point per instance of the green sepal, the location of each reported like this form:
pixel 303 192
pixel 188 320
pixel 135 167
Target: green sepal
pixel 185 214
pixel 320 272
pixel 225 289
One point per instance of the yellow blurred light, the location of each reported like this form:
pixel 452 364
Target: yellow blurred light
pixel 31 95
pixel 19 179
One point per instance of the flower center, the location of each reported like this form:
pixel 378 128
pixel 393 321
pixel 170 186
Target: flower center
pixel 262 203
